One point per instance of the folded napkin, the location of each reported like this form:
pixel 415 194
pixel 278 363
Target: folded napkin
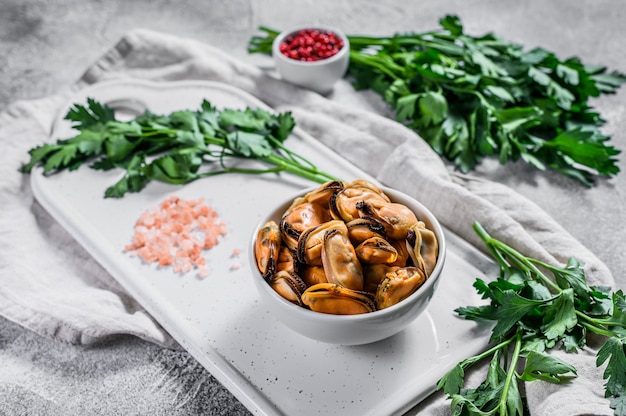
pixel 52 286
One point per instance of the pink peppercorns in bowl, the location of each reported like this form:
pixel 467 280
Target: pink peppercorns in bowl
pixel 311 45
pixel 313 57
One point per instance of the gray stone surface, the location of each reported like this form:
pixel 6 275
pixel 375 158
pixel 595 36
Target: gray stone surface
pixel 45 46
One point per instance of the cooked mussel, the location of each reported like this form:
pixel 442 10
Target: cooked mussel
pixel 347 204
pixel 312 275
pixel 363 228
pixel 322 194
pixel 311 241
pixel 402 249
pixel 398 285
pixel 373 274
pixel 266 248
pixel 288 285
pixel 396 218
pixel 340 261
pixel 336 299
pixel 423 247
pixel 376 250
pixel 365 184
pixel 286 260
pixel 300 217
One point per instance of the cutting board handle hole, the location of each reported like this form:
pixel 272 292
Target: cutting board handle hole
pixel 127 108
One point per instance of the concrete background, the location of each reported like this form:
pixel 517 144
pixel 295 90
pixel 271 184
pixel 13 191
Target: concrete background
pixel 46 45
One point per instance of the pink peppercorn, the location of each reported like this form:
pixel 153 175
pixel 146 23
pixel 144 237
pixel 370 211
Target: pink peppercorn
pixel 311 45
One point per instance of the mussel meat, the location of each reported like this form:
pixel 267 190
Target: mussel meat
pixel 300 217
pixel 373 274
pixel 323 193
pixel 310 242
pixel 288 285
pixel 363 228
pixel 347 204
pixel 403 252
pixel 396 218
pixel 266 248
pixel 423 247
pixel 336 299
pixel 286 260
pixel 340 261
pixel 398 285
pixel 365 184
pixel 376 250
pixel 312 275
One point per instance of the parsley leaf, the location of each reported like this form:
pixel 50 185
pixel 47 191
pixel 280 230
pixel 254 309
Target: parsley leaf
pixel 249 144
pixel 471 97
pixel 178 148
pixel 93 114
pixel 537 307
pixel 452 382
pixel 512 309
pixel 560 315
pixel 540 366
pixel 613 353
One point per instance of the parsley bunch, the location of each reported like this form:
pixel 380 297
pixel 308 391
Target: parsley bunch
pixel 177 148
pixel 534 313
pixel 474 97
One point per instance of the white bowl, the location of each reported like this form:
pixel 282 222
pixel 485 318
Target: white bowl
pixel 319 76
pixel 352 329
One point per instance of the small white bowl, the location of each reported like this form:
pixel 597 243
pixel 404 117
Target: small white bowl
pixel 352 329
pixel 319 76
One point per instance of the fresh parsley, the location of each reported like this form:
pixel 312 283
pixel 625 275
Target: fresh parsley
pixel 474 97
pixel 537 307
pixel 177 148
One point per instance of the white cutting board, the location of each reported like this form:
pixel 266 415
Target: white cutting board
pixel 220 319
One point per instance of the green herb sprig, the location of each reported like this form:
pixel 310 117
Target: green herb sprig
pixel 475 97
pixel 177 148
pixel 537 307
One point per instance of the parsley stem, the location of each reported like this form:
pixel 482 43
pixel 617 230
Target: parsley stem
pixel 603 322
pixel 148 133
pixel 511 372
pixel 542 321
pixel 501 252
pixel 269 31
pixel 598 325
pixel 294 157
pixel 260 44
pixel 375 62
pixel 304 171
pixel 596 329
pixel 474 359
pixel 292 162
pixel 415 41
pixel 280 164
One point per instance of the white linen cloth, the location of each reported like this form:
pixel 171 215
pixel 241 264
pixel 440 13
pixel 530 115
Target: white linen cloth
pixel 52 286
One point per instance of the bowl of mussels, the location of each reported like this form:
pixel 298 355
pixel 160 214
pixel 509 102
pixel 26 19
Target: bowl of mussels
pixel 347 263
